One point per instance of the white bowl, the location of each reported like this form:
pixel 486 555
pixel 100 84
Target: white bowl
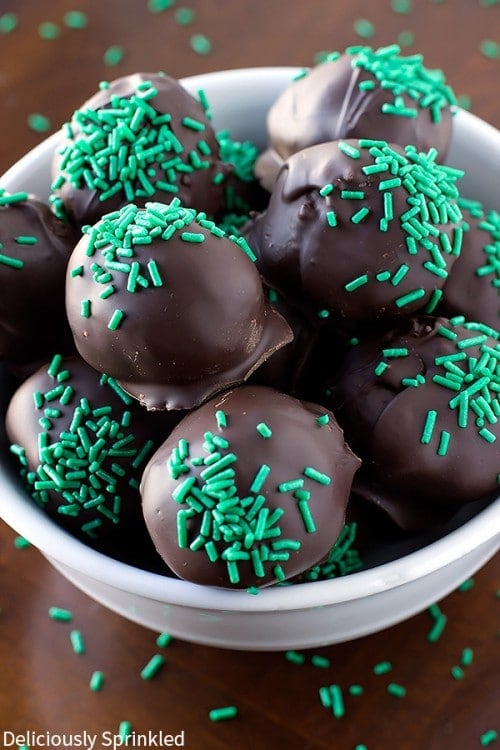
pixel 297 616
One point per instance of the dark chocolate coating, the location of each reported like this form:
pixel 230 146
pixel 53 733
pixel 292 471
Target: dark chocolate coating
pixel 327 105
pixel 116 530
pixel 297 441
pixel 468 290
pixel 32 318
pixel 311 263
pixel 196 188
pixel 384 419
pixel 205 329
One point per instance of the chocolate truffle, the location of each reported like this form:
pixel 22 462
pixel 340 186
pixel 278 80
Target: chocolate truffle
pixel 362 93
pixel 249 489
pixel 420 406
pixel 360 230
pixel 82 444
pixel 142 137
pixel 161 299
pixel 34 250
pixel 473 286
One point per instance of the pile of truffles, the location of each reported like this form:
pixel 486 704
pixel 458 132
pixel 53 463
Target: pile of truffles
pixel 238 355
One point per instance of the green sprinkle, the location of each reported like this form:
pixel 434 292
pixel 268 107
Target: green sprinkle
pixel 488 737
pixel 326 190
pixel 195 237
pixel 355 195
pixel 490 49
pixel 349 150
pixel 157 6
pixel 184 16
pixel 397 690
pixel 358 217
pixel 221 419
pixel 444 442
pixel 60 615
pixel 38 122
pixel 338 708
pixel 317 476
pixel 223 713
pixel 75 19
pixel 351 286
pixel 164 639
pixel 16 263
pixel 323 419
pixel 406 38
pixel 200 44
pixel 382 667
pixel 331 218
pixel 77 642
pixel 430 422
pixel 124 729
pixel 320 661
pixel 113 55
pixel 8 22
pixel 440 621
pixel 457 673
pixel 407 299
pixel 96 681
pixel 153 666
pixel 264 430
pixel 467 657
pixel 116 320
pixel 20 542
pixel 402 6
pixel 48 30
pixel 356 690
pixel 26 239
pixel 380 368
pixel 295 657
pixel 466 585
pixel 364 28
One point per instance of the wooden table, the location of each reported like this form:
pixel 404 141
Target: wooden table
pixel 44 685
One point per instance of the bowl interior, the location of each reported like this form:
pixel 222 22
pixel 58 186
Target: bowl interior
pixel 239 101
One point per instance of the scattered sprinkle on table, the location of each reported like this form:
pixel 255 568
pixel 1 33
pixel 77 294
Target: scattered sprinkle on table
pixel 124 729
pixel 398 691
pixel 153 666
pixel 383 667
pixel 184 16
pixel 320 661
pixel 406 38
pixel 364 28
pixel 157 6
pixel 223 713
pixel 490 49
pixel 466 585
pixel 200 44
pixel 488 737
pixel 38 122
pixel 20 542
pixel 356 690
pixel 77 642
pixel 8 22
pixel 440 621
pixel 402 6
pixel 75 19
pixel 96 681
pixel 48 30
pixel 113 55
pixel 164 640
pixel 295 657
pixel 58 614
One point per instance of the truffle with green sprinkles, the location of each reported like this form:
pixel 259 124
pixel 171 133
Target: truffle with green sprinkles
pixel 161 299
pixel 360 93
pixel 229 506
pixel 34 251
pixel 81 444
pixel 141 137
pixel 396 233
pixel 428 425
pixel 473 286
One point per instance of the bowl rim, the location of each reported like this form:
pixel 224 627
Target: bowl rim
pixel 55 543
